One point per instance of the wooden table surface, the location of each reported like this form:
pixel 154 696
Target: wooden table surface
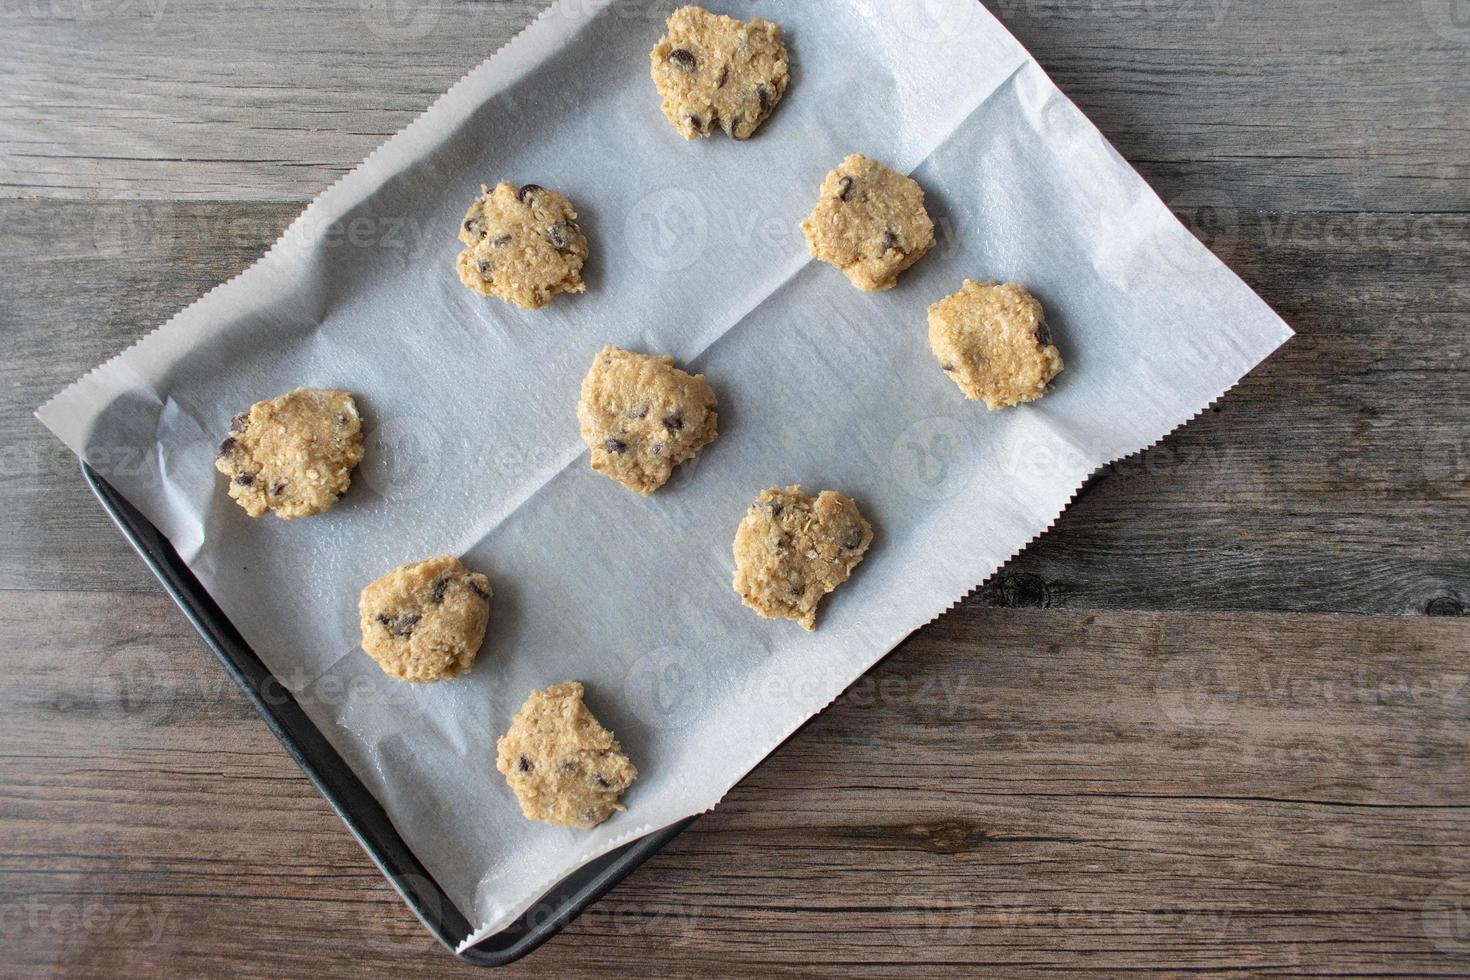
pixel 1215 720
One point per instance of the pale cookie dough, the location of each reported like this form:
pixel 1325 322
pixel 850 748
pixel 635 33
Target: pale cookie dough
pixel 993 342
pixel 425 621
pixel 523 245
pixel 715 72
pixel 641 417
pixel 870 223
pixel 791 550
pixel 561 764
pixel 293 454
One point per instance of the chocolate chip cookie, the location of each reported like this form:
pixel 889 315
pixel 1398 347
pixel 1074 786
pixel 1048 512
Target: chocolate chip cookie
pixel 870 222
pixel 293 454
pixel 561 764
pixel 641 417
pixel 425 621
pixel 791 550
pixel 715 72
pixel 521 244
pixel 993 342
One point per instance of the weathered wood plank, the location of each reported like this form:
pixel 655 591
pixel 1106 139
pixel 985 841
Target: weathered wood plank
pixel 1308 105
pixel 1044 790
pixel 81 283
pixel 1335 478
pixel 1018 789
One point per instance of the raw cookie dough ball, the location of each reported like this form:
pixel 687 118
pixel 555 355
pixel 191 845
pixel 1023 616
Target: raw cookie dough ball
pixel 717 72
pixel 992 340
pixel 524 246
pixel 791 550
pixel 641 417
pixel 293 454
pixel 425 621
pixel 561 764
pixel 870 223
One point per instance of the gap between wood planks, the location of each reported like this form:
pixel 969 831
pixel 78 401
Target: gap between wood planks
pixel 1019 787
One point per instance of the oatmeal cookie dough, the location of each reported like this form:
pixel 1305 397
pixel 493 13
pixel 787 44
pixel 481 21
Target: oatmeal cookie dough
pixel 993 342
pixel 715 72
pixel 293 454
pixel 791 550
pixel 870 222
pixel 641 417
pixel 521 244
pixel 425 621
pixel 561 764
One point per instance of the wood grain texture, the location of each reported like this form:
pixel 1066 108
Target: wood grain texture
pixel 1029 788
pixel 1311 105
pixel 1232 735
pixel 1335 478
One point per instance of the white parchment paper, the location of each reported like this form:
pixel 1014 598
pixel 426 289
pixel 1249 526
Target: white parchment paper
pixel 473 443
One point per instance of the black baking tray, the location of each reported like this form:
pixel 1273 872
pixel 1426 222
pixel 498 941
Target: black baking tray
pixel 359 810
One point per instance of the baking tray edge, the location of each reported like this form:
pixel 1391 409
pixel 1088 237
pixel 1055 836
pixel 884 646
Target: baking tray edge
pixel 341 788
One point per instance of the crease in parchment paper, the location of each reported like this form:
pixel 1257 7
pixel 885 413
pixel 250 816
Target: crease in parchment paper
pixel 473 446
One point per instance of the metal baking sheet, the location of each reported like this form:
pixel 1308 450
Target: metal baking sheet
pixel 335 780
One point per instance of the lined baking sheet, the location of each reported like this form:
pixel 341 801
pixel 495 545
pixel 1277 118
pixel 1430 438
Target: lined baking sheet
pixel 472 438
